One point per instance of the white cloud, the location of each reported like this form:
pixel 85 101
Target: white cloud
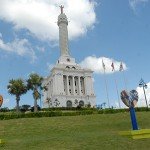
pixel 140 91
pixel 95 64
pixel 40 17
pixel 19 46
pixel 134 3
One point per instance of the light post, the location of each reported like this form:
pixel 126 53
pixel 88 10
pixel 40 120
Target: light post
pixel 144 85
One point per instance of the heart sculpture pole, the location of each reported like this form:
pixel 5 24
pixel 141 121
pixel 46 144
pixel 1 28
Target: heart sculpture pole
pixel 133 118
pixel 130 99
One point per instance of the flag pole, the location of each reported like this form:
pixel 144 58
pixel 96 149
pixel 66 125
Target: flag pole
pixel 117 93
pixel 106 87
pixel 125 82
pixel 113 69
pixel 122 70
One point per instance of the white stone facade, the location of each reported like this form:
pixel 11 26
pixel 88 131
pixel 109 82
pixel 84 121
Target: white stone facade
pixel 68 85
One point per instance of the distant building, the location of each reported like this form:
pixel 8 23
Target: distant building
pixel 68 85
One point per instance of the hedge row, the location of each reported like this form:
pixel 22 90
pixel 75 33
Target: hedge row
pixel 10 115
pixel 94 109
pixel 54 113
pixel 142 109
pixel 68 108
pixel 112 111
pixel 51 109
pixel 81 109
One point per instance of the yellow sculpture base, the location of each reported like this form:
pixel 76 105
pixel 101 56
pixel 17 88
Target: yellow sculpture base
pixel 137 134
pixel 1 141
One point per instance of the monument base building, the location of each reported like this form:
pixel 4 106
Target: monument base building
pixel 68 85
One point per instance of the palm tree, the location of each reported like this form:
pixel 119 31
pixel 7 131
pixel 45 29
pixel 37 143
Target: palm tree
pixel 17 87
pixel 34 83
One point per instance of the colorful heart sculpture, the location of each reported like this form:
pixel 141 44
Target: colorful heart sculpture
pixel 129 98
pixel 1 100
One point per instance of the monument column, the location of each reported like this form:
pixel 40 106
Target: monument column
pixel 63 33
pixel 67 83
pixel 79 84
pixel 73 85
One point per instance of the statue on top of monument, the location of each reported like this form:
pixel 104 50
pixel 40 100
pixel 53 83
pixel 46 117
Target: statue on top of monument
pixel 61 8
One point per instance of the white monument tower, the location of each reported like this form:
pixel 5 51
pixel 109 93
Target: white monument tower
pixel 68 85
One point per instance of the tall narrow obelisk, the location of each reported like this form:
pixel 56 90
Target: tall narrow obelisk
pixel 63 33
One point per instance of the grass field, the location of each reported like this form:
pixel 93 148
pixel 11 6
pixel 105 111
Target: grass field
pixel 91 132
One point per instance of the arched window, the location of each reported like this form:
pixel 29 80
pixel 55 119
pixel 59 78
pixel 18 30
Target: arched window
pixel 81 103
pixel 69 104
pixel 73 67
pixel 67 67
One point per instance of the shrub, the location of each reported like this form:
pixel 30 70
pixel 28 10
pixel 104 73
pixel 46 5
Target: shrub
pixel 142 109
pixel 53 112
pixel 14 115
pixel 5 109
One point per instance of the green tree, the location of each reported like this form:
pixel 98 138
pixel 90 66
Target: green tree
pixel 17 87
pixel 34 83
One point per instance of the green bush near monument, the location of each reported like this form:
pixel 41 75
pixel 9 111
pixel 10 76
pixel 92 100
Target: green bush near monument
pixel 53 112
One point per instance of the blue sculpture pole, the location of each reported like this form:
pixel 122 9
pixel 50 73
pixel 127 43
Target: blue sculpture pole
pixel 133 118
pixel 130 99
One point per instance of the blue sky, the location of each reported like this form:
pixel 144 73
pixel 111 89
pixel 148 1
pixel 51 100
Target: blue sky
pixel 115 31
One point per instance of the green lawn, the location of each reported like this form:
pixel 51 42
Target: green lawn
pixel 91 132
